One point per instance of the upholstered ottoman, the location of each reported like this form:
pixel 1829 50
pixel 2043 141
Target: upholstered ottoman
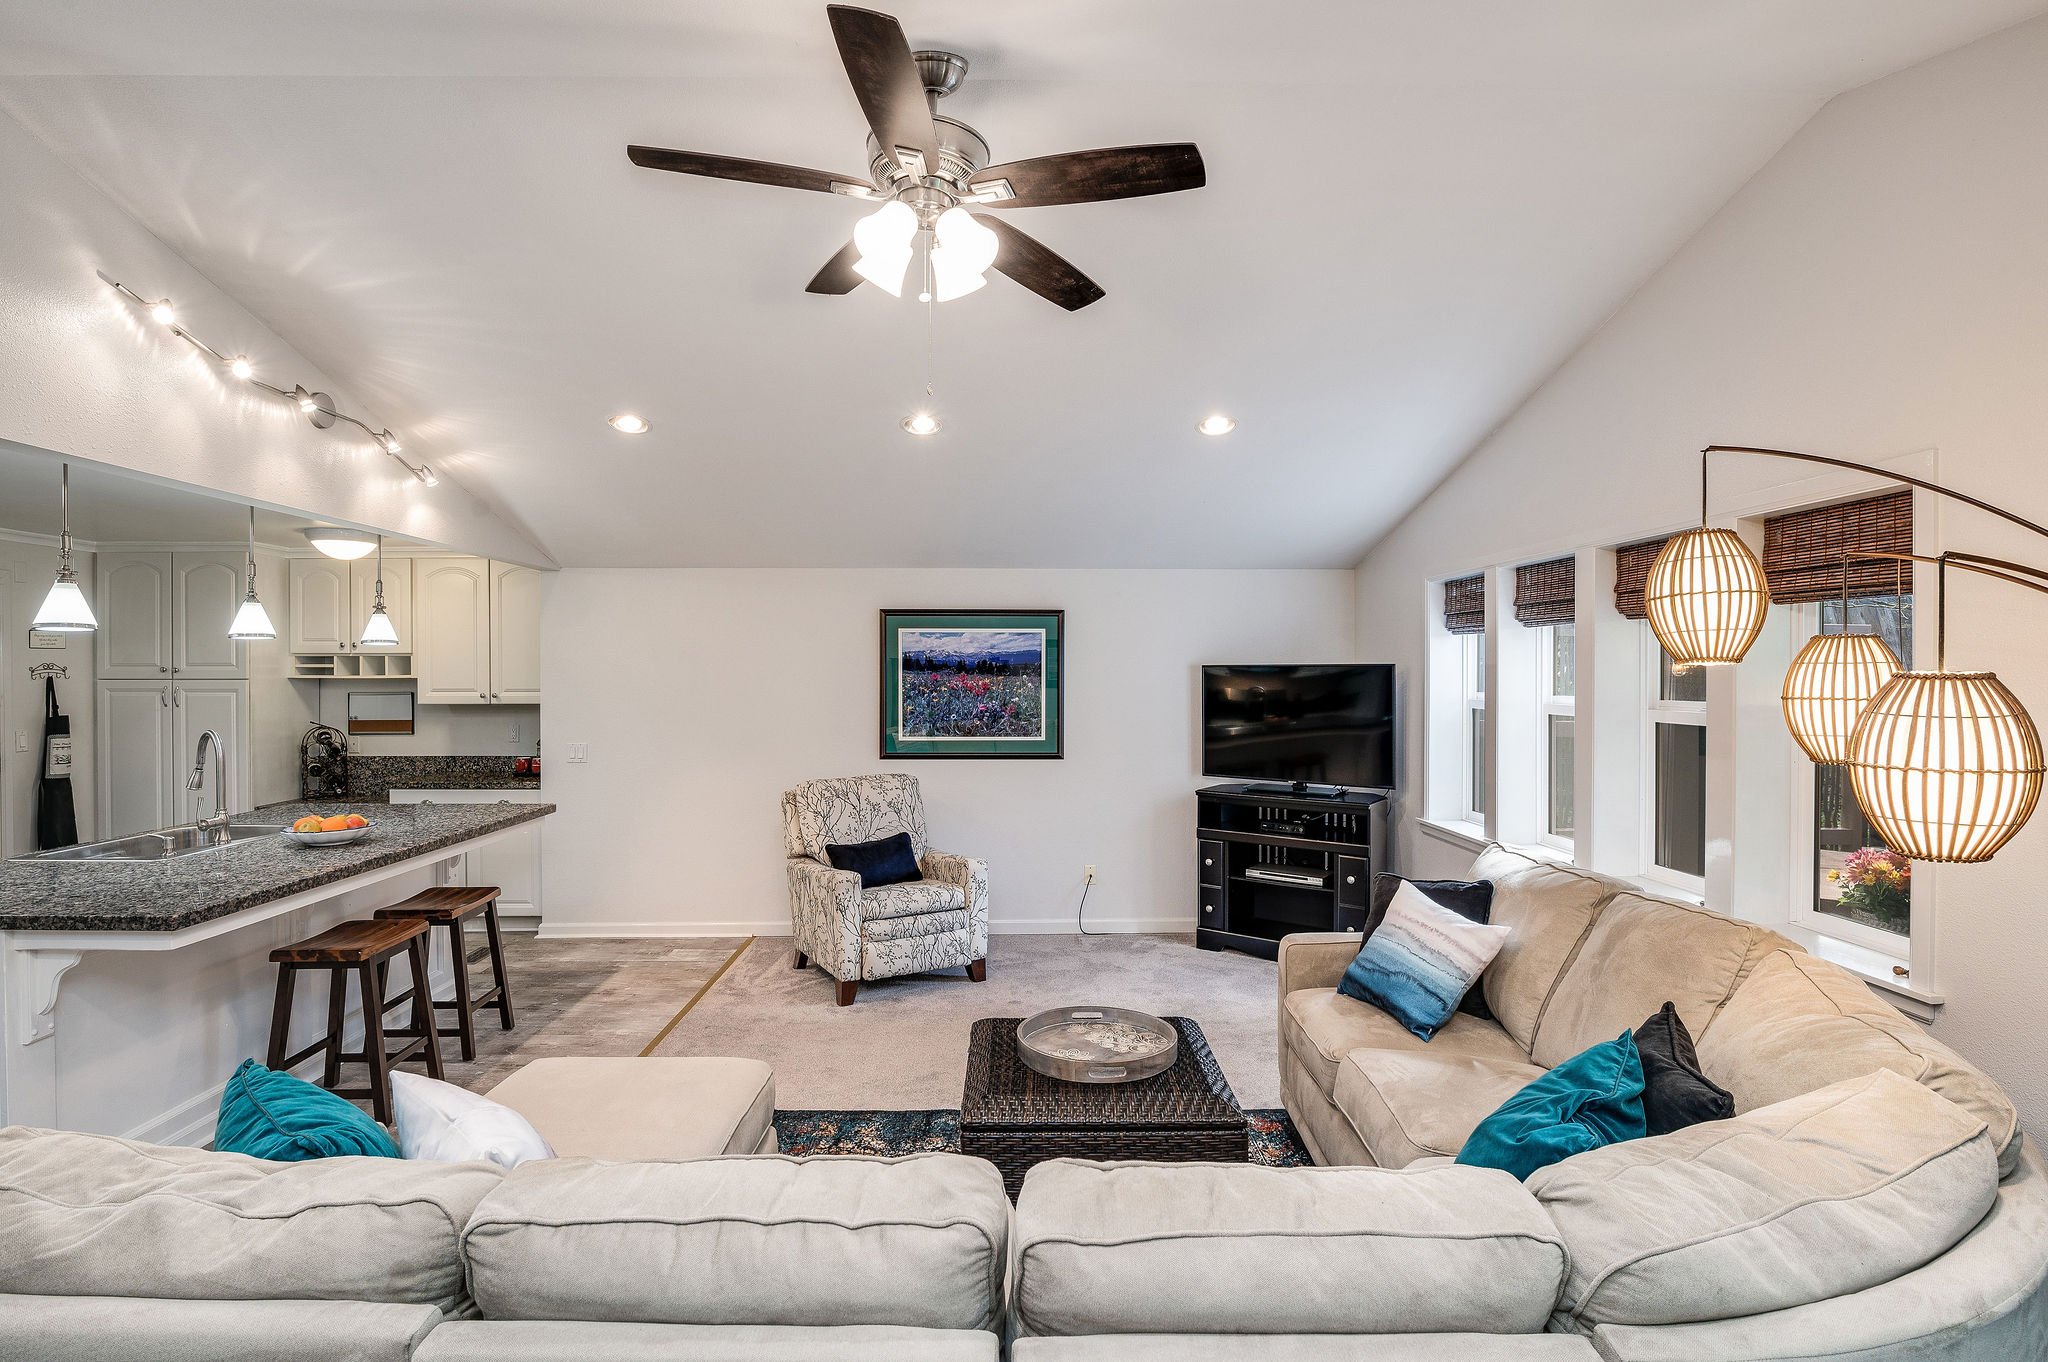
pixel 646 1109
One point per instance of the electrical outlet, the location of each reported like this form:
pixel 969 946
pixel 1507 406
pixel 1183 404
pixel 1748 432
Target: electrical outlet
pixel 513 736
pixel 1088 873
pixel 20 742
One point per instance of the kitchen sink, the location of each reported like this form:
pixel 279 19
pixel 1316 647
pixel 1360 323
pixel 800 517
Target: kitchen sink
pixel 156 846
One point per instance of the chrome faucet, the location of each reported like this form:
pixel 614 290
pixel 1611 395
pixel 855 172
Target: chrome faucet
pixel 214 829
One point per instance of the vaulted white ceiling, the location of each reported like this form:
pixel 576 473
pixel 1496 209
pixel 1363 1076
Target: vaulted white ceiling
pixel 1414 213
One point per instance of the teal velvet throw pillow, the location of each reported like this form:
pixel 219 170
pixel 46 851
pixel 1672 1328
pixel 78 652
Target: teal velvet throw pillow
pixel 271 1115
pixel 1595 1098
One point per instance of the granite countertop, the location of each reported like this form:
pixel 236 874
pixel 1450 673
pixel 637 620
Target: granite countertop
pixel 168 896
pixel 372 779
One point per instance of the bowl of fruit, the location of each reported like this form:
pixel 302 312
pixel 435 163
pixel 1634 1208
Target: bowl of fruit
pixel 315 831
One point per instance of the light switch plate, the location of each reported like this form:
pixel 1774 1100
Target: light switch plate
pixel 579 751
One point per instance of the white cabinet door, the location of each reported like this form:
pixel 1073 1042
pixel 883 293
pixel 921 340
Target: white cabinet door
pixel 451 607
pixel 132 737
pixel 320 606
pixel 510 861
pixel 133 641
pixel 222 706
pixel 397 598
pixel 515 634
pixel 206 590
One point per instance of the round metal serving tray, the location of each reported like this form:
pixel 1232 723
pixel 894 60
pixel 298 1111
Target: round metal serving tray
pixel 1097 1044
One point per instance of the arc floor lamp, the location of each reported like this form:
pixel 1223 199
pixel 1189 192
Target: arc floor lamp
pixel 1948 766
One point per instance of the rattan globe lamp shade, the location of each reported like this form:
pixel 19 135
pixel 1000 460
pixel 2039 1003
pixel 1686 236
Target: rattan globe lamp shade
pixel 1947 765
pixel 1706 597
pixel 1827 688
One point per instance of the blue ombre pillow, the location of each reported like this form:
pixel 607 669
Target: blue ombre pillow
pixel 1420 961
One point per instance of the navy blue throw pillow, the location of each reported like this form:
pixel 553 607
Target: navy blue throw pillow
pixel 886 860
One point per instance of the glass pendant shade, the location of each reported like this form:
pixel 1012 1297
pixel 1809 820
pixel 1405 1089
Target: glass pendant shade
pixel 1706 597
pixel 1827 688
pixel 252 622
pixel 884 239
pixel 64 610
pixel 378 631
pixel 962 256
pixel 1947 765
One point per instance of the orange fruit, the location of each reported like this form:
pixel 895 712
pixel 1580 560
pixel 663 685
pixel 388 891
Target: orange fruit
pixel 356 820
pixel 310 823
pixel 338 823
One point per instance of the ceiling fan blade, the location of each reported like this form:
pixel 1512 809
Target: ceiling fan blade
pixel 1088 176
pixel 837 276
pixel 1034 265
pixel 753 172
pixel 886 82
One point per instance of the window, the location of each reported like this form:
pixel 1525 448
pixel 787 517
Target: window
pixel 1858 882
pixel 1556 782
pixel 1675 774
pixel 1473 670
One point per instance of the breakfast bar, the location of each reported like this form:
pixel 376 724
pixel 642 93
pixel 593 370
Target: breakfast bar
pixel 133 987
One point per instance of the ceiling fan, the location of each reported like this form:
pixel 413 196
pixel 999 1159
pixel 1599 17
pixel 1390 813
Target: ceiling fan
pixel 931 172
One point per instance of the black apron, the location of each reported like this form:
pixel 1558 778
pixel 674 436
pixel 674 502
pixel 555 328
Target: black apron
pixel 56 820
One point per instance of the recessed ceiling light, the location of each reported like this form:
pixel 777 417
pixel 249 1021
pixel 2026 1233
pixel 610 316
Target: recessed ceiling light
pixel 921 423
pixel 1218 424
pixel 627 423
pixel 338 543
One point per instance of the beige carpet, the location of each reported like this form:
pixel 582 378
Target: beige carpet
pixel 903 1044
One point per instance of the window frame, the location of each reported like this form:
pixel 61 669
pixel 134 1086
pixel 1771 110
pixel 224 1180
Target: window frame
pixel 1471 751
pixel 1551 705
pixel 1657 710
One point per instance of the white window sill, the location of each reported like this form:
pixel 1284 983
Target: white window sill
pixel 1874 968
pixel 1458 832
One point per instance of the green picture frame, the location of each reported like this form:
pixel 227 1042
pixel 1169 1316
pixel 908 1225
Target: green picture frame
pixel 973 684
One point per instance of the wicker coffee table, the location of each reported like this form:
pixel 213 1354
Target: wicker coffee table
pixel 1015 1118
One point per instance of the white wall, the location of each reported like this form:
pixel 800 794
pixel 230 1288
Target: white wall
pixel 703 694
pixel 1879 288
pixel 88 376
pixel 26 571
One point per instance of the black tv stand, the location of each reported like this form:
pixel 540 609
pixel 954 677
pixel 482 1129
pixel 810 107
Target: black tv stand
pixel 1299 789
pixel 1270 861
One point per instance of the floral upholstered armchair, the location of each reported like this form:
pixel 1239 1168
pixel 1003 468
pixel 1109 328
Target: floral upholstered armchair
pixel 853 934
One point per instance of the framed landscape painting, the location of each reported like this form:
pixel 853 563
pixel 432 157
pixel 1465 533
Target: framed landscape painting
pixel 973 683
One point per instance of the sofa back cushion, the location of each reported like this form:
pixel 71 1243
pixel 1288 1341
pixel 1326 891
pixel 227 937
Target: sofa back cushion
pixel 1142 1248
pixel 1799 1023
pixel 1642 953
pixel 1547 908
pixel 851 809
pixel 1831 1192
pixel 91 1215
pixel 920 1241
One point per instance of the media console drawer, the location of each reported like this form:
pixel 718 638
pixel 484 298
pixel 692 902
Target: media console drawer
pixel 1354 882
pixel 1209 862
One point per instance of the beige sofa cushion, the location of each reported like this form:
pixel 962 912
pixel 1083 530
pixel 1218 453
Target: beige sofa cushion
pixel 582 1341
pixel 1547 908
pixel 919 1241
pixel 1306 1348
pixel 1408 1106
pixel 91 1215
pixel 1828 1193
pixel 1641 953
pixel 129 1329
pixel 1799 1023
pixel 1138 1248
pixel 658 1107
pixel 1321 1026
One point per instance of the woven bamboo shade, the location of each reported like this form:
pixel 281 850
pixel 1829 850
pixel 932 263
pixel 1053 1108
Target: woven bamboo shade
pixel 1706 597
pixel 1947 765
pixel 1804 550
pixel 1631 574
pixel 1545 593
pixel 1465 604
pixel 1827 688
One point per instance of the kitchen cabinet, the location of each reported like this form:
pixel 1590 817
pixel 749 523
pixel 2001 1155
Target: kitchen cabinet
pixel 146 734
pixel 330 601
pixel 511 861
pixel 476 632
pixel 166 614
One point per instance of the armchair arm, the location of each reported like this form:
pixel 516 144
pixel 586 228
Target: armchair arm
pixel 971 874
pixel 824 907
pixel 1315 959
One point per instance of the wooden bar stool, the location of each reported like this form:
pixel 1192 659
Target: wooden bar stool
pixel 451 905
pixel 363 948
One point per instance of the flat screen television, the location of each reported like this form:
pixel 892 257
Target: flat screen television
pixel 1300 725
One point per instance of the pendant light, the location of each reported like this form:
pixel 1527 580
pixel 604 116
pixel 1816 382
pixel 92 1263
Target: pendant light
pixel 252 621
pixel 377 630
pixel 1705 594
pixel 1832 682
pixel 64 610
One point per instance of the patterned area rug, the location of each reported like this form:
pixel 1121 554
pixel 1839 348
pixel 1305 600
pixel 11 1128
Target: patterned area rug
pixel 1273 1140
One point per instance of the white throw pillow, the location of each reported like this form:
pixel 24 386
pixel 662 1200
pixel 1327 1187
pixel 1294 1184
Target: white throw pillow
pixel 446 1124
